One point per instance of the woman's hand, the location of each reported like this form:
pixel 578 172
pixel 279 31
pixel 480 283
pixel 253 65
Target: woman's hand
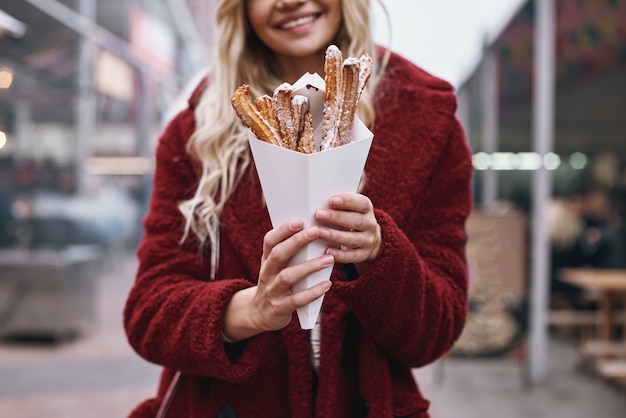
pixel 352 228
pixel 270 304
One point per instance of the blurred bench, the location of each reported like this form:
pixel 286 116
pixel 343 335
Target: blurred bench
pixel 613 370
pixel 47 293
pixel 603 349
pixel 570 321
pixel 583 324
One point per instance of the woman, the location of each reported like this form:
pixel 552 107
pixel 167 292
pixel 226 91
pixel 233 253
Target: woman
pixel 212 300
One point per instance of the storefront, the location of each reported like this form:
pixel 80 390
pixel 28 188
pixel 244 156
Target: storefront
pixel 84 86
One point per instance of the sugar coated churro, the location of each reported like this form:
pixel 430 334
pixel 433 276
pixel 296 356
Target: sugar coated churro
pixel 349 101
pixel 281 103
pixel 332 106
pixel 307 142
pixel 264 105
pixel 285 118
pixel 251 116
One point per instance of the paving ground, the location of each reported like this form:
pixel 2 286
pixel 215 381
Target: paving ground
pixel 98 376
pixel 482 389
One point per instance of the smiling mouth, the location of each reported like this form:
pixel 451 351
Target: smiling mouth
pixel 299 22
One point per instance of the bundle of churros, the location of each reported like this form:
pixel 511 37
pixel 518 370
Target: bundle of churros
pixel 285 118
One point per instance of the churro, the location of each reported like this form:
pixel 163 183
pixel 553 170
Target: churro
pixel 250 116
pixel 285 119
pixel 349 101
pixel 281 102
pixel 299 108
pixel 306 143
pixel 264 106
pixel 332 106
pixel 345 81
pixel 367 64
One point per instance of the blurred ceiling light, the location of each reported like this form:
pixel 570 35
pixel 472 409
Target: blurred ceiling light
pixel 526 161
pixel 551 161
pixel 6 78
pixel 578 160
pixel 529 161
pixel 10 25
pixel 505 161
pixel 482 161
pixel 3 139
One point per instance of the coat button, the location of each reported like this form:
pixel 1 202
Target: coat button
pixel 362 407
pixel 226 412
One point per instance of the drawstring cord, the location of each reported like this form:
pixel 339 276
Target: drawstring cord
pixel 169 395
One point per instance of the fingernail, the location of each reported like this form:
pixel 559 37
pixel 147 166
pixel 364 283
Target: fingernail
pixel 295 224
pixel 322 214
pixel 312 232
pixel 328 260
pixel 336 201
pixel 324 233
pixel 326 285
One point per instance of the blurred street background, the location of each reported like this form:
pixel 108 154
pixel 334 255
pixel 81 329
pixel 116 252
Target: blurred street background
pixel 86 87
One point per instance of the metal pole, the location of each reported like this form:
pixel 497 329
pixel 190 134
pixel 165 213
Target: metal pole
pixel 189 34
pixel 490 125
pixel 144 131
pixel 23 116
pixel 86 103
pixel 23 125
pixel 543 138
pixel 81 24
pixel 463 111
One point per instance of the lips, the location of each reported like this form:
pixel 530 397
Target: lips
pixel 295 22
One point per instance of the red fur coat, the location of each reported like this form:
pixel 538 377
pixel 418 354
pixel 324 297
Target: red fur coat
pixel 405 312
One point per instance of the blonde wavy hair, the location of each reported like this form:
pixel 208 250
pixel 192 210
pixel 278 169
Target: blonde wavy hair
pixel 219 141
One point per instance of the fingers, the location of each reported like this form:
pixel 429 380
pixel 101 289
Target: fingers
pixel 282 243
pixel 274 301
pixel 355 247
pixel 353 228
pixel 277 235
pixel 309 295
pixel 350 212
pixel 351 202
pixel 349 224
pixel 289 276
pixel 283 232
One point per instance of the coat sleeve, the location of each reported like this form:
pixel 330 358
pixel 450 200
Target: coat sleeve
pixel 174 314
pixel 413 300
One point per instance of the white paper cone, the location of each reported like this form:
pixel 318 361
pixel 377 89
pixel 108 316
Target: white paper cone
pixel 295 185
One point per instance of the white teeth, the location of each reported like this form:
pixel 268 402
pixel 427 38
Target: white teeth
pixel 298 22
